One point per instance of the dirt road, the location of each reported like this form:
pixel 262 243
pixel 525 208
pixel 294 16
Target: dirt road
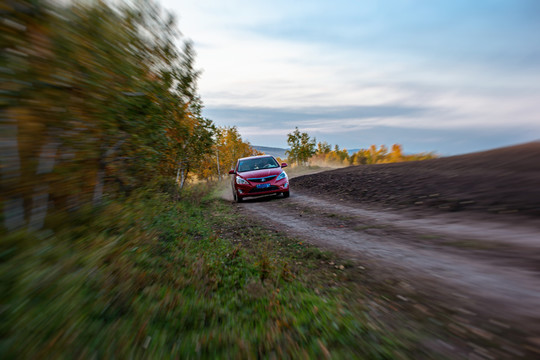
pixel 485 272
pixel 468 267
pixel 495 267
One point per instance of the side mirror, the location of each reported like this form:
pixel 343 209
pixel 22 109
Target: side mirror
pixel 283 165
pixel 232 172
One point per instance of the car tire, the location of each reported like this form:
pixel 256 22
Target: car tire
pixel 286 194
pixel 237 198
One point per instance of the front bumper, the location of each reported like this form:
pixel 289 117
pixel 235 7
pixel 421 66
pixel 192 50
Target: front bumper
pixel 243 190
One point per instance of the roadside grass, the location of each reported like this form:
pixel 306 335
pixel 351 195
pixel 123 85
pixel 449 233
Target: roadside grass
pixel 149 277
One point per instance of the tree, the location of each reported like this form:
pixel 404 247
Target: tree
pixel 231 147
pixel 396 154
pixel 302 147
pixel 228 146
pixel 97 100
pixel 323 148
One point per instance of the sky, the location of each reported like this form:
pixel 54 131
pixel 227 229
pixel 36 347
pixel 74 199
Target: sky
pixel 450 76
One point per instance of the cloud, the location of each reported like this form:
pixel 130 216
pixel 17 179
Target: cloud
pixel 417 128
pixel 347 68
pixel 288 115
pixel 322 120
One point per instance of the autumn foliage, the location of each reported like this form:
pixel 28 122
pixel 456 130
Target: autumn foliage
pixel 97 100
pixel 372 155
pixel 303 151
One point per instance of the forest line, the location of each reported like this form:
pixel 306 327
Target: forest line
pixel 98 100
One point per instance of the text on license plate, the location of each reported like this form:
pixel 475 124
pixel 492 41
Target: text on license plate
pixel 263 186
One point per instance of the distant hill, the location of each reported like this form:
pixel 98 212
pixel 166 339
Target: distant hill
pixel 277 152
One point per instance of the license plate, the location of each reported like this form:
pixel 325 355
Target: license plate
pixel 263 186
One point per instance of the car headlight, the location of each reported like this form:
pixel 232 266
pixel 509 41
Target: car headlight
pixel 281 176
pixel 239 180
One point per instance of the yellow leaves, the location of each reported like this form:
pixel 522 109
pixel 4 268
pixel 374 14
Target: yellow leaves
pixel 30 130
pixel 79 78
pixel 371 155
pixel 230 147
pixel 26 119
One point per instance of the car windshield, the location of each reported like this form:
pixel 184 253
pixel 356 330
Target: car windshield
pixel 257 164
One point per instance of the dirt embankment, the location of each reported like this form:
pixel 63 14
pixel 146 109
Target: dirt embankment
pixel 501 181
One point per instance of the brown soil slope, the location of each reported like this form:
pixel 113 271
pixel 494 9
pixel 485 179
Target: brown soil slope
pixel 505 180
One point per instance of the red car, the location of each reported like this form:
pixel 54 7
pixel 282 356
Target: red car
pixel 259 175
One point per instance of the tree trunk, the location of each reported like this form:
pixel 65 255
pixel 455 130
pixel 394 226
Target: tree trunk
pixel 178 173
pixel 98 189
pixel 10 170
pixel 100 176
pixel 40 200
pixel 182 178
pixel 182 173
pixel 217 161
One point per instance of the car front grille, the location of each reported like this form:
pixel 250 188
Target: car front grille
pixel 270 188
pixel 263 179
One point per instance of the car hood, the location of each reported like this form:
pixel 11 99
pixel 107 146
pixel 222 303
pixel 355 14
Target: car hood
pixel 260 173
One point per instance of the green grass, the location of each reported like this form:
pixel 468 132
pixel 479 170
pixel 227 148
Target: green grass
pixel 147 277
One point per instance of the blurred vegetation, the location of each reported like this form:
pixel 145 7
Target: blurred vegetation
pixel 150 277
pixel 305 150
pixel 96 100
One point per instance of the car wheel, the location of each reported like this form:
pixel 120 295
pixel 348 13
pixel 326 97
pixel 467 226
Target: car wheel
pixel 286 194
pixel 237 198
